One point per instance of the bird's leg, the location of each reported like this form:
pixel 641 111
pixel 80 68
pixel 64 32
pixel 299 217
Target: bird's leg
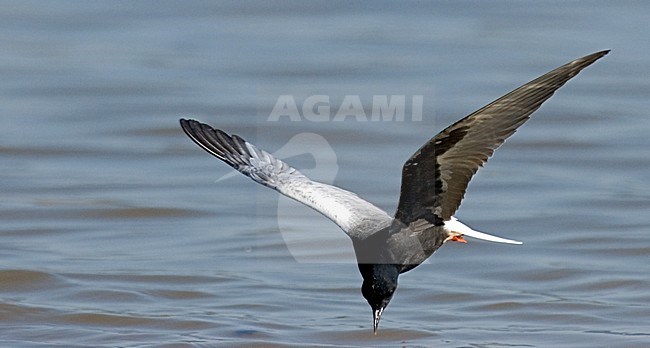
pixel 458 238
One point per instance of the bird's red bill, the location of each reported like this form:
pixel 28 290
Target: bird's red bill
pixel 458 239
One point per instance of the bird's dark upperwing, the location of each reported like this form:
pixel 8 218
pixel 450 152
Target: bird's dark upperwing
pixel 434 179
pixel 356 217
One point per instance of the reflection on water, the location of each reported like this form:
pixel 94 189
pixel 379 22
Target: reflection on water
pixel 115 233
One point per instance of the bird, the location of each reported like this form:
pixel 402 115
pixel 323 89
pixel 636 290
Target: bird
pixel 434 181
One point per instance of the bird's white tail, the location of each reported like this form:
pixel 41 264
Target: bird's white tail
pixel 457 226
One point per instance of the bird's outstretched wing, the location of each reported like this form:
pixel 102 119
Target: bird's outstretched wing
pixel 356 217
pixel 434 179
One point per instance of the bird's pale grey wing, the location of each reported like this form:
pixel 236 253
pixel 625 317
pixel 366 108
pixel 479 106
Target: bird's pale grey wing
pixel 434 179
pixel 355 216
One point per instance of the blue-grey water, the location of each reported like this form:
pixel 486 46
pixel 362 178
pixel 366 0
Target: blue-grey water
pixel 116 230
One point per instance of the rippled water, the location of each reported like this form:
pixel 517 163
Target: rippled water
pixel 115 233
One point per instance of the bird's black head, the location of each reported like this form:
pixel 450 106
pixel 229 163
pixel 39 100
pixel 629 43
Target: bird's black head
pixel 379 285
